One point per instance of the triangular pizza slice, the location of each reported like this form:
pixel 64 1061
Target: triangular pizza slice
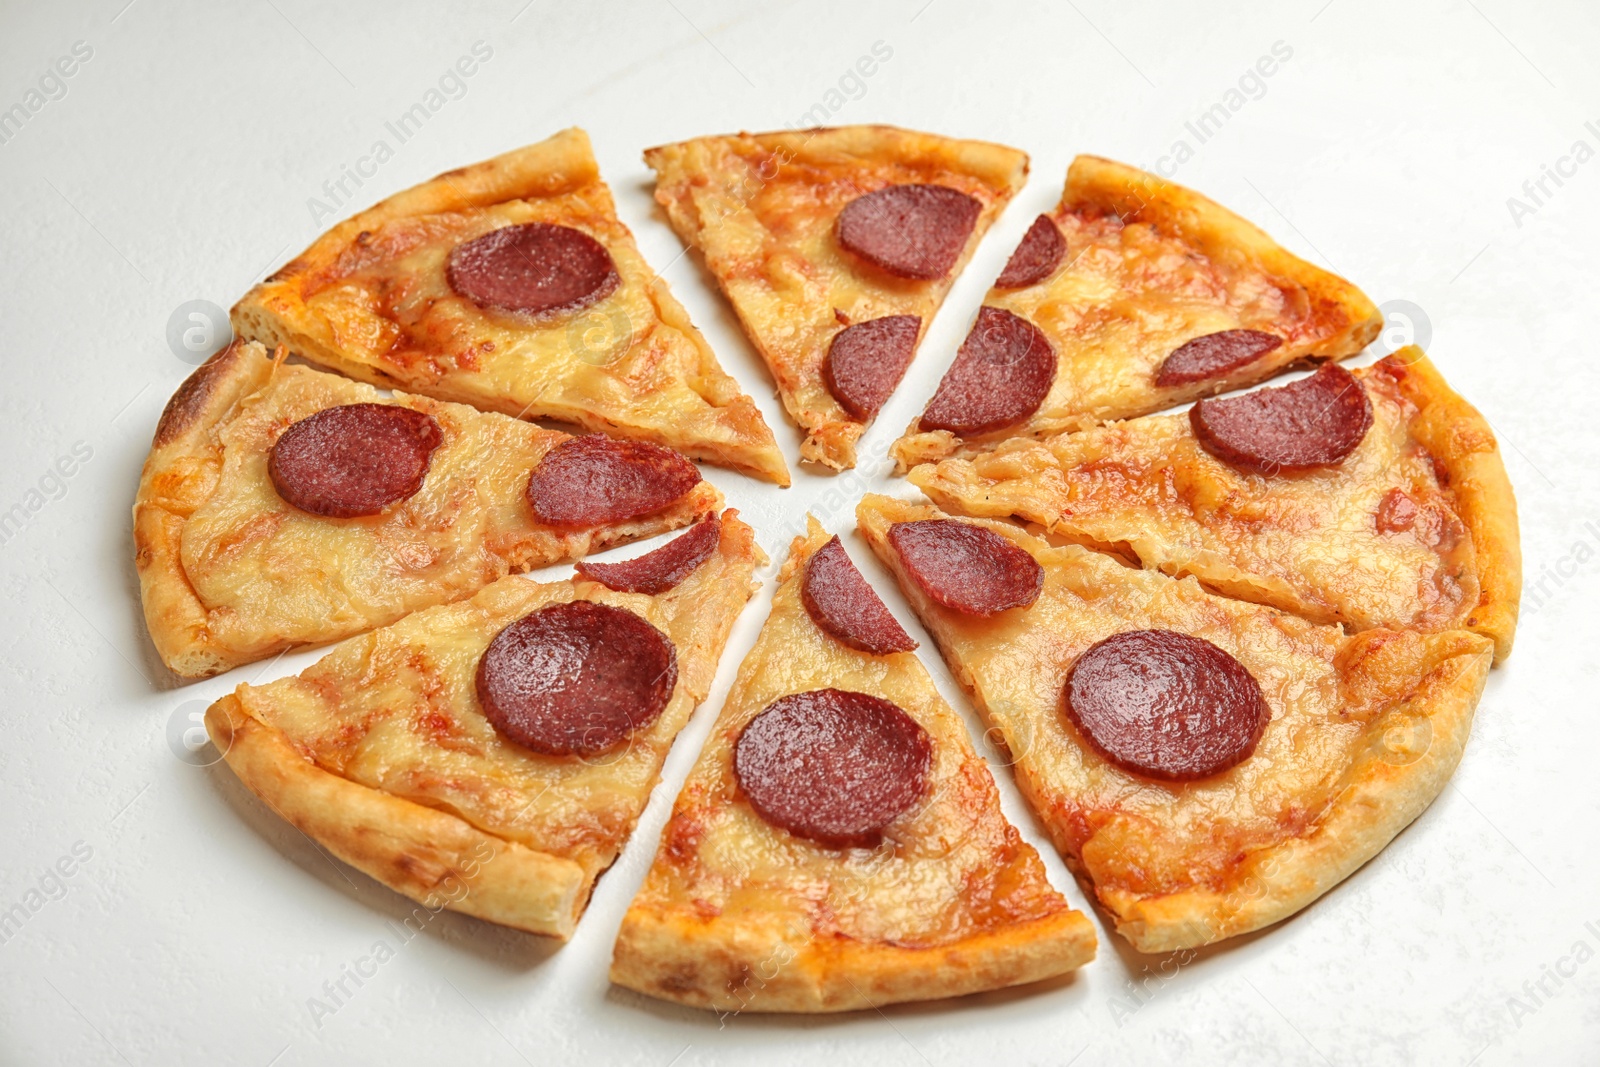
pixel 282 506
pixel 1373 499
pixel 492 756
pixel 839 844
pixel 1133 295
pixel 512 285
pixel 835 247
pixel 1206 766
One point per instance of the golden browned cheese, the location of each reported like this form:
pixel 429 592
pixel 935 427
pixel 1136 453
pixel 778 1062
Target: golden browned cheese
pixel 952 886
pixel 396 711
pixel 1323 543
pixel 1364 731
pixel 762 208
pixel 242 574
pixel 371 298
pixel 1150 265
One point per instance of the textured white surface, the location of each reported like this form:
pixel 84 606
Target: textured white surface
pixel 178 166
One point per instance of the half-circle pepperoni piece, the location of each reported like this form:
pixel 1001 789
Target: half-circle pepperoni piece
pixel 574 679
pixel 967 568
pixel 1214 355
pixel 656 572
pixel 1001 374
pixel 833 766
pixel 593 480
pixel 1314 422
pixel 1036 258
pixel 353 460
pixel 911 231
pixel 534 268
pixel 840 601
pixel 866 361
pixel 1166 705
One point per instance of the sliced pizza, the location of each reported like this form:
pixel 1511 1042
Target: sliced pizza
pixel 493 755
pixel 1132 296
pixel 512 285
pixel 282 506
pixel 1373 499
pixel 1206 766
pixel 835 248
pixel 839 844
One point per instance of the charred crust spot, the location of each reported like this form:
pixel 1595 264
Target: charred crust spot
pixel 189 402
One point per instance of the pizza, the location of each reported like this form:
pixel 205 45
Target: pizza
pixel 835 248
pixel 282 505
pixel 839 844
pixel 1205 765
pixel 1374 499
pixel 1132 296
pixel 492 756
pixel 512 285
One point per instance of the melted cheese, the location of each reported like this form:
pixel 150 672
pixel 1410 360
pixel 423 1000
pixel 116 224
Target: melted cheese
pixel 1307 543
pixel 271 575
pixel 762 210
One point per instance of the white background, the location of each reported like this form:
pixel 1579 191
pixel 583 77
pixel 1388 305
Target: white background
pixel 178 166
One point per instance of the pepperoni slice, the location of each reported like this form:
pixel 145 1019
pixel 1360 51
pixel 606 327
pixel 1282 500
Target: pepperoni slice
pixel 1001 374
pixel 656 572
pixel 1214 355
pixel 575 679
pixel 967 568
pixel 866 361
pixel 1314 422
pixel 593 480
pixel 912 231
pixel 1036 258
pixel 1166 705
pixel 535 268
pixel 840 601
pixel 353 460
pixel 833 766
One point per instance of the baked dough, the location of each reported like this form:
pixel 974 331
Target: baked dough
pixel 1310 543
pixel 1150 265
pixel 738 914
pixel 381 753
pixel 230 573
pixel 1364 733
pixel 370 298
pixel 761 208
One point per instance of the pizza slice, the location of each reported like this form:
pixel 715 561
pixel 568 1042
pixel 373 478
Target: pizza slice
pixel 512 285
pixel 1132 296
pixel 1206 766
pixel 839 844
pixel 282 506
pixel 835 248
pixel 492 756
pixel 1373 499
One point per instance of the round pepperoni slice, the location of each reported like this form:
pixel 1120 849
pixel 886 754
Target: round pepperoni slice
pixel 1001 374
pixel 1166 705
pixel 353 460
pixel 866 361
pixel 833 766
pixel 535 268
pixel 840 601
pixel 575 679
pixel 593 480
pixel 911 231
pixel 1036 258
pixel 1215 355
pixel 1314 422
pixel 967 568
pixel 656 572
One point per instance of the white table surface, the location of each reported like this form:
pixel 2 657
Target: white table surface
pixel 178 166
